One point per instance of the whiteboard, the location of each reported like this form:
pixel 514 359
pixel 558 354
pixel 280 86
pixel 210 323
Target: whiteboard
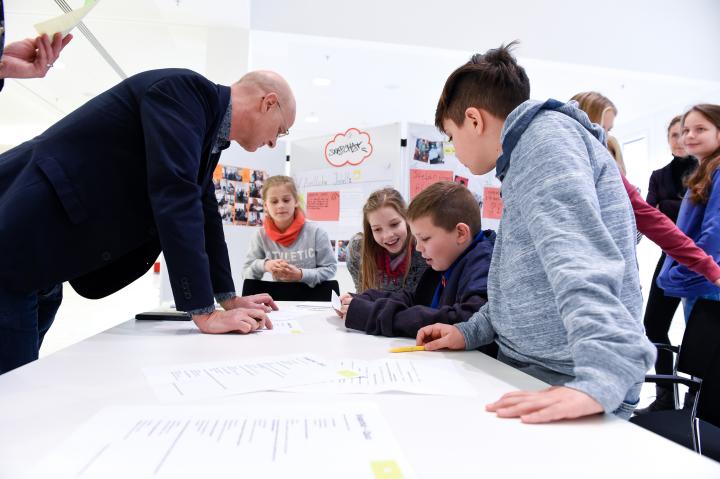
pixel 329 163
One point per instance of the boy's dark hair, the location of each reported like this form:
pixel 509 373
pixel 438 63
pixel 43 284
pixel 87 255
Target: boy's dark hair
pixel 447 203
pixel 492 81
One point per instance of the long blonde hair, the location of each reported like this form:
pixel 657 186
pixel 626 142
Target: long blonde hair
pixel 370 250
pixel 596 106
pixel 700 182
pixel 616 151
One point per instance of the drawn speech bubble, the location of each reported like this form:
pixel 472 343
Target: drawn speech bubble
pixel 349 148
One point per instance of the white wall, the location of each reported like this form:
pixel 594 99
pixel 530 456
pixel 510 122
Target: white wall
pixel 657 36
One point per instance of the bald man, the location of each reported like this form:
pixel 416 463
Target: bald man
pixel 95 198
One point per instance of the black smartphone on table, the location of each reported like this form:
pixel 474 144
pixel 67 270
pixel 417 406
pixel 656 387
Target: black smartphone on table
pixel 164 316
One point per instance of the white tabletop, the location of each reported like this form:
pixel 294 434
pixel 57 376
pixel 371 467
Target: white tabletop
pixel 442 436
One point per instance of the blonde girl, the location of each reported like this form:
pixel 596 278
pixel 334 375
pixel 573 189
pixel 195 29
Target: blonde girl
pixel 288 247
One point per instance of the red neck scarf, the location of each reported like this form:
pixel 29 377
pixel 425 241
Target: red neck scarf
pixel 287 237
pixel 384 260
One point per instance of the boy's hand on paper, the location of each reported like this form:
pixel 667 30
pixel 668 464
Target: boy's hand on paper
pixel 32 58
pixel 345 300
pixel 262 301
pixel 440 336
pixel 234 321
pixel 549 405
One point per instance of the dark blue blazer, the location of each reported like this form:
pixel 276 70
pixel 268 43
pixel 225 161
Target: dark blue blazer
pixel 2 36
pixel 95 198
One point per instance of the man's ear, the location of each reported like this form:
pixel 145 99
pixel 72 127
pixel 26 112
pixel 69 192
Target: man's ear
pixel 474 117
pixel 268 102
pixel 463 232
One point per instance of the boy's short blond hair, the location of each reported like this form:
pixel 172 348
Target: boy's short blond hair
pixel 447 203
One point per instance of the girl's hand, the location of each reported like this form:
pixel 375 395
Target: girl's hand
pixel 293 273
pixel 274 265
pixel 288 272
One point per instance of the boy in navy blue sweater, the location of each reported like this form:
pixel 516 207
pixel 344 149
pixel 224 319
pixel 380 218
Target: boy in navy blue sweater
pixel 445 220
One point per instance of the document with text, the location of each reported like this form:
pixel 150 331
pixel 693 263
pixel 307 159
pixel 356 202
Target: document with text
pixel 437 376
pixel 267 440
pixel 222 378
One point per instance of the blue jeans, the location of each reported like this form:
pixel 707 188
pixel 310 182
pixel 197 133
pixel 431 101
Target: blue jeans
pixel 24 320
pixel 688 303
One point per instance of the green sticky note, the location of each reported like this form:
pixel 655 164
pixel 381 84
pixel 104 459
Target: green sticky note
pixel 346 373
pixel 386 470
pixel 295 331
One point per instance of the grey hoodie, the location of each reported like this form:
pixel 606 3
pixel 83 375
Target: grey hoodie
pixel 311 252
pixel 563 287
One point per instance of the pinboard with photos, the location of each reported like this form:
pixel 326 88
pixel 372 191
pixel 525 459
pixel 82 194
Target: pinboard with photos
pixel 430 158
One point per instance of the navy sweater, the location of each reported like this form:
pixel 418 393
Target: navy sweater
pixel 403 313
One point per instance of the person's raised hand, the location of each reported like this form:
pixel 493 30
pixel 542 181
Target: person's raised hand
pixel 32 57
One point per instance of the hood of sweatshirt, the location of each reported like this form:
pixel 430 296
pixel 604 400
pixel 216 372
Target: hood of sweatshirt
pixel 520 118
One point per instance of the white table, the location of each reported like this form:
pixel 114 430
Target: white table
pixel 442 437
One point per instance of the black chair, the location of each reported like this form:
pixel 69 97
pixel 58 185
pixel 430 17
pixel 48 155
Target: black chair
pixel 291 291
pixel 696 427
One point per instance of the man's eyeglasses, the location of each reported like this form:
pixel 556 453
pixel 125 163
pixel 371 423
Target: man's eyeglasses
pixel 286 132
pixel 281 132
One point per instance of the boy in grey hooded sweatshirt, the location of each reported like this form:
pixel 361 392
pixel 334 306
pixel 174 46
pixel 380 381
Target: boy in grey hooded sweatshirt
pixel 564 301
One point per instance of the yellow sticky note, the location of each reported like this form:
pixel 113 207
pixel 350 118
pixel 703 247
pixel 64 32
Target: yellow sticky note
pixel 346 373
pixel 295 331
pixel 386 470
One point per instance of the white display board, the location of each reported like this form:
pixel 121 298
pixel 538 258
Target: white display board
pixel 335 174
pixel 272 162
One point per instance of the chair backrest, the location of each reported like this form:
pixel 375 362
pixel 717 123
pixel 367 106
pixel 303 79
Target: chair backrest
pixel 700 356
pixel 291 291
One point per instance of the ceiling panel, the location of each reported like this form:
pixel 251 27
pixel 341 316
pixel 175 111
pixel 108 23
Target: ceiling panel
pixel 386 63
